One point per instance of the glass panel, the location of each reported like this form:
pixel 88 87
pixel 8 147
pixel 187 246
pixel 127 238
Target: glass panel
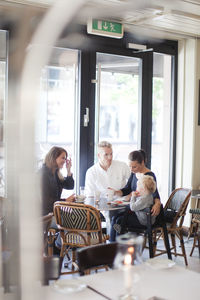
pixel 58 105
pixel 118 102
pixel 161 121
pixel 2 116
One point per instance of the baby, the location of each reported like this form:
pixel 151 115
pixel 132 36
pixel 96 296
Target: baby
pixel 140 199
pixel 143 197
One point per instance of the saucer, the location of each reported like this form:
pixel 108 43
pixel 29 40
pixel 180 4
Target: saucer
pixel 68 286
pixel 159 264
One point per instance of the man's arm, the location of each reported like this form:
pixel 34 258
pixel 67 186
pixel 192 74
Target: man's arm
pixel 90 187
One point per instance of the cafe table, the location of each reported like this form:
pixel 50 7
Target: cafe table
pixel 103 204
pixel 106 206
pixel 48 292
pixel 157 281
pixel 169 282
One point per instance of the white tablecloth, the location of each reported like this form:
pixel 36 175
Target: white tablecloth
pixel 176 283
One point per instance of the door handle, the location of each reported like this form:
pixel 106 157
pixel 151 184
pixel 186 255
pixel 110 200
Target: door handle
pixel 86 117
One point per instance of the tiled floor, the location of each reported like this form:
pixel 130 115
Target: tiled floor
pixel 193 262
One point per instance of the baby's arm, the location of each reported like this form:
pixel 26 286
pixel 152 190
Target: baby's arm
pixel 139 203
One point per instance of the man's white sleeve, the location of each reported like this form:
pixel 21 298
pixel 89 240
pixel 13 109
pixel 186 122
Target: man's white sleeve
pixel 89 184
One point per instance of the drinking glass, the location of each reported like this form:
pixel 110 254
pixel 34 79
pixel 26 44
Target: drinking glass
pixel 110 194
pixel 129 253
pixel 97 195
pixel 82 191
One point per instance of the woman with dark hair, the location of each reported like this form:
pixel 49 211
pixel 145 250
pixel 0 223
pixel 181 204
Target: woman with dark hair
pixel 53 183
pixel 52 180
pixel 137 161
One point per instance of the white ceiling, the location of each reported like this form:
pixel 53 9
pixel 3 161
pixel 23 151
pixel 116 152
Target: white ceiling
pixel 173 19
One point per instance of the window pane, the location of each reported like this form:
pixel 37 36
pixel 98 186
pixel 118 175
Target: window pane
pixel 117 99
pixel 58 104
pixel 161 122
pixel 2 116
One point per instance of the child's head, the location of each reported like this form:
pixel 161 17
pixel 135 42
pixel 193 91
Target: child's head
pixel 146 184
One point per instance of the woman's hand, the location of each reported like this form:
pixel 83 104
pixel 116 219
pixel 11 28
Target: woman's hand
pixel 70 198
pixel 156 208
pixel 68 166
pixel 128 197
pixel 118 193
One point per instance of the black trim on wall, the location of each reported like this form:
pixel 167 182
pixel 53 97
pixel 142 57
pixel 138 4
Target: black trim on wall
pixel 173 134
pixel 146 108
pixel 87 94
pixel 91 42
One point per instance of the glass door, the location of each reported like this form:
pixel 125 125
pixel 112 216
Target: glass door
pixel 117 103
pixel 161 121
pixel 58 124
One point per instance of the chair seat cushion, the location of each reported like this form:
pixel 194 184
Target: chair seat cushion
pixel 83 240
pixel 169 215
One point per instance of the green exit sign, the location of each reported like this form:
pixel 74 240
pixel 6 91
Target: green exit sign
pixel 105 28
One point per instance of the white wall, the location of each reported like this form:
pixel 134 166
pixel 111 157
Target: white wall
pixel 188 131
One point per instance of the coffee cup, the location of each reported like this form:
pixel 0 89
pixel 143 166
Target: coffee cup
pixel 80 198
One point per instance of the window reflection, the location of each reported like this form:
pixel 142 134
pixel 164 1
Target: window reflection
pixel 2 120
pixel 161 114
pixel 118 104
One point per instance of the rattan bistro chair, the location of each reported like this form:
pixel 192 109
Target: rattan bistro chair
pixel 175 210
pixel 79 225
pixel 51 264
pixel 196 223
pixel 150 231
pixel 46 222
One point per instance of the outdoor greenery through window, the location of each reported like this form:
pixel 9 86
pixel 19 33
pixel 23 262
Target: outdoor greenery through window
pixel 117 100
pixel 57 124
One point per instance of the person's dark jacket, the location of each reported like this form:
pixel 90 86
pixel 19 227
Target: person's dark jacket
pixel 132 185
pixel 52 187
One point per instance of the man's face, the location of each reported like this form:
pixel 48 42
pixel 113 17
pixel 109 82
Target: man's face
pixel 105 156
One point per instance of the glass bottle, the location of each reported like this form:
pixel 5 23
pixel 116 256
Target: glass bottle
pixel 129 254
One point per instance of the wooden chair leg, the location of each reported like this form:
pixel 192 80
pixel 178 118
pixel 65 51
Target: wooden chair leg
pixel 50 242
pixel 173 243
pixel 194 244
pixel 73 259
pixel 166 242
pixel 62 251
pixel 198 239
pixel 151 254
pixel 144 243
pixel 50 249
pixel 183 248
pixel 154 242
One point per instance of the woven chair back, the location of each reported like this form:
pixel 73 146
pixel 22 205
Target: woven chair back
pixel 178 202
pixel 77 217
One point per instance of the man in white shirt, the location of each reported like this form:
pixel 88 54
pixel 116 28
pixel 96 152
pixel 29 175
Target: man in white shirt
pixel 106 173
